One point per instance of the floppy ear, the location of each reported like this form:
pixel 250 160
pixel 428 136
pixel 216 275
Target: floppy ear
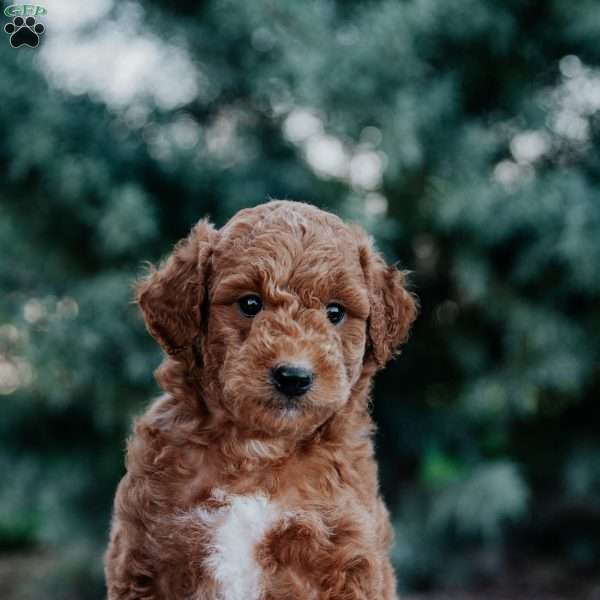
pixel 171 296
pixel 393 308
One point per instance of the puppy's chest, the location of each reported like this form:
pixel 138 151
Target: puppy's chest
pixel 235 527
pixel 239 526
pixel 238 531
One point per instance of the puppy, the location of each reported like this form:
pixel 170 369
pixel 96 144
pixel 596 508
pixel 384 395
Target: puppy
pixel 253 477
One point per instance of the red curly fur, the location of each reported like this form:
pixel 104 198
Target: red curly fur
pixel 220 469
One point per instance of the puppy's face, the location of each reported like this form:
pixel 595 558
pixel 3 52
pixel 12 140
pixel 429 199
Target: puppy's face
pixel 288 306
pixel 287 317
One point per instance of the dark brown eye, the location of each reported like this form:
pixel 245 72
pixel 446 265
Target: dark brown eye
pixel 335 312
pixel 250 305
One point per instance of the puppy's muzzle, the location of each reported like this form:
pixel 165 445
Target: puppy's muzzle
pixel 292 381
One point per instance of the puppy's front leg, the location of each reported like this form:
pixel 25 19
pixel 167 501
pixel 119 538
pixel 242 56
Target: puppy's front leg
pixel 129 576
pixel 157 553
pixel 129 569
pixel 321 558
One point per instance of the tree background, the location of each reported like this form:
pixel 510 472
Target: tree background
pixel 463 134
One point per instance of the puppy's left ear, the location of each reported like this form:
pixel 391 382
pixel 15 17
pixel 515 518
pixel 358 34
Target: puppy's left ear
pixel 393 309
pixel 171 296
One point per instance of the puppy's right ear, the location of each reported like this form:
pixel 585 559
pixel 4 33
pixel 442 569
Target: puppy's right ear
pixel 171 296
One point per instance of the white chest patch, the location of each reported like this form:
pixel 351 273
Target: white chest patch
pixel 237 529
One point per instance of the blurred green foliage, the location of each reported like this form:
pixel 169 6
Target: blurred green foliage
pixel 464 135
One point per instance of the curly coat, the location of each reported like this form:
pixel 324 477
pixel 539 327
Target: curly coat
pixel 230 492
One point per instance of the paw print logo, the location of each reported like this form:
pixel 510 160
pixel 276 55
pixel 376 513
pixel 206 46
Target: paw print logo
pixel 24 32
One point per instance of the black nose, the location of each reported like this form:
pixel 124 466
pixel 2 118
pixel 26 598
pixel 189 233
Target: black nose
pixel 292 381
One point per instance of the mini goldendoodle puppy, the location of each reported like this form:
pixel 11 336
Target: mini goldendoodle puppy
pixel 253 477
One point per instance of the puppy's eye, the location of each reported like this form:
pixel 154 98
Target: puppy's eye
pixel 250 305
pixel 335 312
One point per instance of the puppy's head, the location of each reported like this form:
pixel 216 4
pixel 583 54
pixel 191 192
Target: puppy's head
pixel 285 307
